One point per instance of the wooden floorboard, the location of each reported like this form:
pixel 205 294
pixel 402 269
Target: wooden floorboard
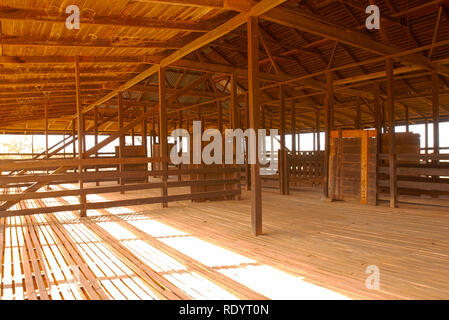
pixel 309 249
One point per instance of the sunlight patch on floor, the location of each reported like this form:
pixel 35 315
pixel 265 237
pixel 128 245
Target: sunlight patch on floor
pixel 206 253
pixel 270 282
pixel 266 280
pixel 191 283
pixel 278 285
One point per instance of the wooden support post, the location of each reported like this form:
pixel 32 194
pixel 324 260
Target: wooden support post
pixel 293 127
pixel 46 138
pixel 426 135
pixel 254 109
pixel 234 111
pixel 329 106
pixel 84 135
pixel 363 168
pixel 314 140
pixel 234 105
pixel 97 183
pixel 80 117
pixel 46 132
pixel 337 177
pixel 133 137
pixel 377 126
pixel 180 139
pixel 407 123
pixel 282 153
pixel 248 167
pixel 74 135
pixel 318 130
pixel 145 139
pixel 145 133
pixel 153 137
pixel 230 110
pixel 436 112
pixel 436 120
pixel 163 130
pixel 392 135
pixel 121 139
pixel 282 116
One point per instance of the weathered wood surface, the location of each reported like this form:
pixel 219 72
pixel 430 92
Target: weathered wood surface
pixel 311 248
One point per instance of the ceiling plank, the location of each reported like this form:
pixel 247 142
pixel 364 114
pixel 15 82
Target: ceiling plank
pixel 16 14
pixel 303 22
pixel 256 10
pixel 92 43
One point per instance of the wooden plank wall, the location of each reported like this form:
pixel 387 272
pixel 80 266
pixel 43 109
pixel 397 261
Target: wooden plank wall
pixel 353 166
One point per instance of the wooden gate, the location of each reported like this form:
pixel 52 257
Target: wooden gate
pixel 352 166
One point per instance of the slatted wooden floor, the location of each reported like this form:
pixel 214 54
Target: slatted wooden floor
pixel 310 249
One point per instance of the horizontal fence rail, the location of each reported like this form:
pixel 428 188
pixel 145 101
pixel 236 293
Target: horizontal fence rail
pixel 206 183
pixel 424 174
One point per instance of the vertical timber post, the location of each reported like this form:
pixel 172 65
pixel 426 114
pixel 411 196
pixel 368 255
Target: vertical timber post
pixel 234 125
pixel 377 126
pixel 329 106
pixel 145 141
pixel 46 136
pixel 293 128
pixel 254 110
pixel 392 135
pixel 247 167
pixel 163 132
pixel 436 112
pixel 294 151
pixel 97 183
pixel 318 131
pixel 74 138
pixel 426 135
pixel 145 133
pixel 282 160
pixel 407 122
pixel 46 132
pixel 121 140
pixel 436 121
pixel 79 112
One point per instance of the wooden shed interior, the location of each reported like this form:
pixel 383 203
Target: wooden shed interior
pixel 79 222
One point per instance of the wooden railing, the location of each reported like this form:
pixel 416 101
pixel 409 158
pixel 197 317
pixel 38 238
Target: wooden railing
pixel 306 168
pixel 417 174
pixel 227 185
pixel 59 155
pixel 429 150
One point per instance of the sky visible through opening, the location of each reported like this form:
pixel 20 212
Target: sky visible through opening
pixel 306 140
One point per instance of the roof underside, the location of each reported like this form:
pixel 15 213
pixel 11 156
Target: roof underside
pixel 120 39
